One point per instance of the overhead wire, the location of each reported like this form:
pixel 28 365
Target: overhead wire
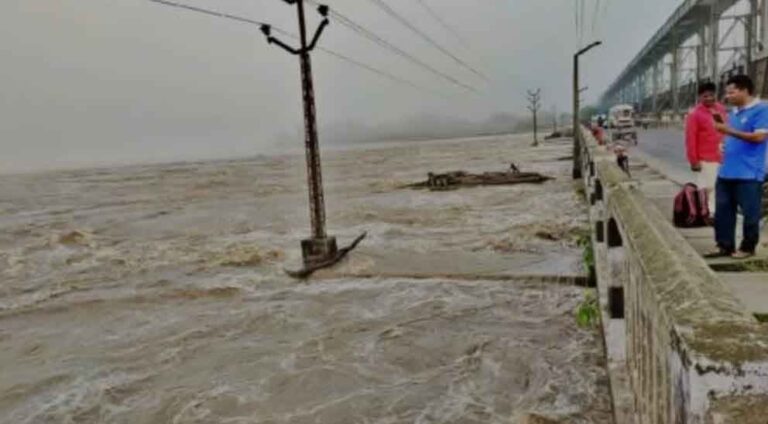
pixel 378 71
pixel 371 36
pixel 454 32
pixel 594 16
pixel 576 21
pixel 327 51
pixel 447 27
pixel 214 13
pixel 582 14
pixel 405 22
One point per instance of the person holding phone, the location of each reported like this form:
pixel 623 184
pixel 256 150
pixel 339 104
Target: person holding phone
pixel 740 180
pixel 702 140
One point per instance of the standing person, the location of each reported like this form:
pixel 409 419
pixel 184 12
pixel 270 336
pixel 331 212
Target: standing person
pixel 598 133
pixel 740 181
pixel 702 140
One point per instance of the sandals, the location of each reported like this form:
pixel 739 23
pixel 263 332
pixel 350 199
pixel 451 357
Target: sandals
pixel 718 253
pixel 741 254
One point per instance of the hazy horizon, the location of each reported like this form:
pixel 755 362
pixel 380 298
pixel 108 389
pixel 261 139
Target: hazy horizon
pixel 90 82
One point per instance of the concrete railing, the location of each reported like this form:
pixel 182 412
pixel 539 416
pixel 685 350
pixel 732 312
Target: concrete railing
pixel 691 352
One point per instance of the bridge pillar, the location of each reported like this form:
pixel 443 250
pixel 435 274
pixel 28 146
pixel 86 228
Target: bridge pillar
pixel 701 50
pixel 656 86
pixel 675 76
pixel 750 35
pixel 763 32
pixel 713 44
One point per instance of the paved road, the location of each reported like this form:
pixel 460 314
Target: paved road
pixel 667 145
pixel 663 150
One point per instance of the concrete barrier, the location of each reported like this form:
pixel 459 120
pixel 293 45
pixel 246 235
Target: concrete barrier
pixel 690 350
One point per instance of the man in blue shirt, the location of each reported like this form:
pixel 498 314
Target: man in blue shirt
pixel 740 180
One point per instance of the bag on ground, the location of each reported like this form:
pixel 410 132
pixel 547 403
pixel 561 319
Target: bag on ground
pixel 691 207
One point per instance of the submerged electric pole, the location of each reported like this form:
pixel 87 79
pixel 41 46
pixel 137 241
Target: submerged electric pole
pixel 319 250
pixel 554 118
pixel 534 98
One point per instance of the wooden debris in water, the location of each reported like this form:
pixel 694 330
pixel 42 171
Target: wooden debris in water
pixel 457 179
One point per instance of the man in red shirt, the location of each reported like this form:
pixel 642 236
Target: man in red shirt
pixel 702 140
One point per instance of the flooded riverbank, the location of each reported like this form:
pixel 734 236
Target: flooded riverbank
pixel 155 294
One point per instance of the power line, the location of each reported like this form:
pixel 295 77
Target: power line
pixel 452 30
pixel 362 31
pixel 443 23
pixel 391 12
pixel 377 71
pixel 214 13
pixel 293 36
pixel 594 16
pixel 582 20
pixel 576 20
pixel 370 68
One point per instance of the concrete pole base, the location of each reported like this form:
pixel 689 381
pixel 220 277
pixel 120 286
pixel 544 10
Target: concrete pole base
pixel 318 250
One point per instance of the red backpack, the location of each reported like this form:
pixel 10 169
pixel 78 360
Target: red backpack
pixel 691 207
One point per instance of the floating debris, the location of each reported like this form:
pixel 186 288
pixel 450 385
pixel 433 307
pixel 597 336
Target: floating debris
pixel 71 238
pixel 457 179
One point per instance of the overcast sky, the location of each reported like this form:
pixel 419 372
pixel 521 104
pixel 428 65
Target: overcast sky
pixel 103 81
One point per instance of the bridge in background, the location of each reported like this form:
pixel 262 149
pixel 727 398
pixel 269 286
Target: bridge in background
pixel 702 40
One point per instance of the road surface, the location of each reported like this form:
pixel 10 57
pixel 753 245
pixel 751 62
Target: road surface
pixel 666 144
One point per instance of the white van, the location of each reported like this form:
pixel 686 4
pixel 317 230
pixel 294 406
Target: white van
pixel 621 120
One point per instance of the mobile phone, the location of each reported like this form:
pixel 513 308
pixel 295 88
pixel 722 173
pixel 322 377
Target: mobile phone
pixel 717 118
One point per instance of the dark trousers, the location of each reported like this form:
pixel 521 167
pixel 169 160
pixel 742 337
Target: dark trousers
pixel 730 196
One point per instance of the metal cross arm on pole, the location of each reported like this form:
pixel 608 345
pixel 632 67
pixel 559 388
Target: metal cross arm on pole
pixel 267 30
pixel 318 33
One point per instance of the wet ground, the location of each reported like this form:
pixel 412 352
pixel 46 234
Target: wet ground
pixel 156 294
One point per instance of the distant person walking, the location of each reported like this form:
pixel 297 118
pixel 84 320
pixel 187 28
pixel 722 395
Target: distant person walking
pixel 702 140
pixel 598 133
pixel 740 180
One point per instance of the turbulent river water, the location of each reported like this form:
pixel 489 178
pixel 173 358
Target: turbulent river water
pixel 156 294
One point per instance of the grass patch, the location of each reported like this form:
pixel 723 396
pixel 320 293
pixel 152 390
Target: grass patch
pixel 588 312
pixel 762 317
pixel 760 265
pixel 588 252
pixel 581 192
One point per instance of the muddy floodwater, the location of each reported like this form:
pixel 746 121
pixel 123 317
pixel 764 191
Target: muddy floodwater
pixel 156 294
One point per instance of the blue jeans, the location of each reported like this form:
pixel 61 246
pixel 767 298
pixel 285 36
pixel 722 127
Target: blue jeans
pixel 730 196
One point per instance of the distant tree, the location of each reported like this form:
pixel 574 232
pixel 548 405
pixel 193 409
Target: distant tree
pixel 587 112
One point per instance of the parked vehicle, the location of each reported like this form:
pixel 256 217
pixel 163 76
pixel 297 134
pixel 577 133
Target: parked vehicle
pixel 621 120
